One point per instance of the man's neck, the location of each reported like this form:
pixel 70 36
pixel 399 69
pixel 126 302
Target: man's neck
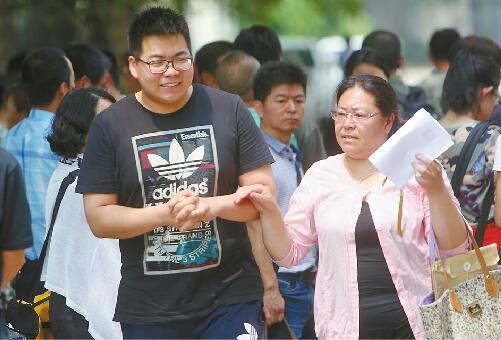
pixel 163 108
pixel 50 108
pixel 280 136
pixel 442 65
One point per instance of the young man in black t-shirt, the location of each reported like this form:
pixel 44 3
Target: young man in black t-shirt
pixel 170 157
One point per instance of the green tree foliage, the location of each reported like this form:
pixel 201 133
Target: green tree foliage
pixel 303 17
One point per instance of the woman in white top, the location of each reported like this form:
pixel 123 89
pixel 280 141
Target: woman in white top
pixel 82 271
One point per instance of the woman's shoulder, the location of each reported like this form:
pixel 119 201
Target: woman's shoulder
pixel 331 164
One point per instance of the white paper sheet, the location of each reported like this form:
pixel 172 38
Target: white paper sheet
pixel 420 134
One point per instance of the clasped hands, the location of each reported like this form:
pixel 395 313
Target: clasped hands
pixel 186 210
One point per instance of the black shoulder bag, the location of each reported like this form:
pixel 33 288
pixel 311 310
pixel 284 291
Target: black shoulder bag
pixel 29 313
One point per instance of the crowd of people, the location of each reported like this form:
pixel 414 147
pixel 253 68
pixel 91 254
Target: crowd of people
pixel 189 196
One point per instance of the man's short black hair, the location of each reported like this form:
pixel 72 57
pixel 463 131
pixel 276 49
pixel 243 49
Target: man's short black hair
pixel 207 56
pixel 87 60
pixel 442 43
pixel 261 42
pixel 156 21
pixel 275 73
pixel 42 72
pixel 113 67
pixel 387 44
pixel 14 64
pixel 474 44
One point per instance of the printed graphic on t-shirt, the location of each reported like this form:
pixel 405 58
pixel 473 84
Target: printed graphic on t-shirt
pixel 168 162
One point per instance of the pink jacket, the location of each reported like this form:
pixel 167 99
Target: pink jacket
pixel 324 209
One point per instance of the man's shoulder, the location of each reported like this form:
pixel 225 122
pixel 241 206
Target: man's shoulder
pixel 215 95
pixel 7 162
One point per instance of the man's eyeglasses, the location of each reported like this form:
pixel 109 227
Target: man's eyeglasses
pixel 160 66
pixel 341 115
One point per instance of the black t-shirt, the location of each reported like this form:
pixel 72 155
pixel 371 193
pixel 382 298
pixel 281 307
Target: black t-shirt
pixel 144 157
pixel 15 218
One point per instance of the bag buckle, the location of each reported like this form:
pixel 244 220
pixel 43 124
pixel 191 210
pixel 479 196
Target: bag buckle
pixel 474 309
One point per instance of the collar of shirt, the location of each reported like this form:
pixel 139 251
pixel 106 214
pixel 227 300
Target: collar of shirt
pixel 40 115
pixel 275 144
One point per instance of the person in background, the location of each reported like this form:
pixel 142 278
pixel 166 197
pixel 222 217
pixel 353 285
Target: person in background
pixel 235 74
pixel 259 41
pixel 263 43
pixel 469 94
pixel 82 271
pixel 441 46
pixel 15 226
pixel 46 76
pixel 374 267
pixel 89 63
pixel 206 60
pixel 280 94
pixel 410 98
pixel 15 107
pixel 112 80
pixel 366 61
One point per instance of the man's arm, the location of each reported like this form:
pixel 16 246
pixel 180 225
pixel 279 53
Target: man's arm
pixel 107 219
pixel 273 302
pixel 226 206
pixel 12 261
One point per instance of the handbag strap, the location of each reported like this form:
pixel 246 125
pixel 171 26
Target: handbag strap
pixel 70 178
pixel 466 154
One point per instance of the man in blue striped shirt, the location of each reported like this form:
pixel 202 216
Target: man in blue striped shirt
pixel 279 92
pixel 46 76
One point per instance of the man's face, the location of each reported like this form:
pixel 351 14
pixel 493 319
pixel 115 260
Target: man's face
pixel 282 111
pixel 170 90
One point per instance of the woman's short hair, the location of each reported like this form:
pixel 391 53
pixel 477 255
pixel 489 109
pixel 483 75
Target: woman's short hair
pixel 384 96
pixel 365 56
pixel 73 119
pixel 467 73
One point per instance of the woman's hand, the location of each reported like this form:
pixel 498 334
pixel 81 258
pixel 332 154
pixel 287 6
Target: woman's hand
pixel 429 174
pixel 260 196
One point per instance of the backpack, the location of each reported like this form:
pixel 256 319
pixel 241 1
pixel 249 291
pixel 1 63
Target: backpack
pixel 414 100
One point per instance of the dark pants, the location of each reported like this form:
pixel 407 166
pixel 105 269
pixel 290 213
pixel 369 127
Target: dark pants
pixel 227 322
pixel 64 321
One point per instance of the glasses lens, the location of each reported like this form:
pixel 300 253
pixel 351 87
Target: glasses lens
pixel 181 64
pixel 158 66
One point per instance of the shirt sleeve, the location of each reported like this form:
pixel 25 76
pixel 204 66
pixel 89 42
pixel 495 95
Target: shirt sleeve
pixel 300 223
pixel 252 149
pixel 97 173
pixel 466 246
pixel 16 224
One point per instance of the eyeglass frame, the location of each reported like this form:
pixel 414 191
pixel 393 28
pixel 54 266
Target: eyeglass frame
pixel 170 63
pixel 368 116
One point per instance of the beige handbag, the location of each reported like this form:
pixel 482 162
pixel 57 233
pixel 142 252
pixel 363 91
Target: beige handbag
pixel 470 309
pixel 461 268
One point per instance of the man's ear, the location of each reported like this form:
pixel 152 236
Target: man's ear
pixel 400 61
pixel 486 90
pixel 259 107
pixel 133 66
pixel 84 81
pixel 209 80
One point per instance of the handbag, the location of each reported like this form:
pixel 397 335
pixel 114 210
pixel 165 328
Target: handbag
pixel 471 309
pixel 29 314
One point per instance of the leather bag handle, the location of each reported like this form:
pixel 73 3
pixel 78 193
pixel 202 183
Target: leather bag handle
pixel 491 286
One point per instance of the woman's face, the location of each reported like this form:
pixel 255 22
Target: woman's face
pixel 101 105
pixel 359 139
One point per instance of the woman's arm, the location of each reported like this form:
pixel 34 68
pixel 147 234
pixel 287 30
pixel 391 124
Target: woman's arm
pixel 447 222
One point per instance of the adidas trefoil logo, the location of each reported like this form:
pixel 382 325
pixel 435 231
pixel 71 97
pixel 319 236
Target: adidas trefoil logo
pixel 178 167
pixel 251 333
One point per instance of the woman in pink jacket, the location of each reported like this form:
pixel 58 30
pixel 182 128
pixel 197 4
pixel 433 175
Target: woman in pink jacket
pixel 373 266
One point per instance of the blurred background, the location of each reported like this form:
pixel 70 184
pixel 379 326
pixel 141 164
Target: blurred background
pixel 318 34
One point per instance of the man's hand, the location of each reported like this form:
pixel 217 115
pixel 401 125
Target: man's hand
pixel 273 305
